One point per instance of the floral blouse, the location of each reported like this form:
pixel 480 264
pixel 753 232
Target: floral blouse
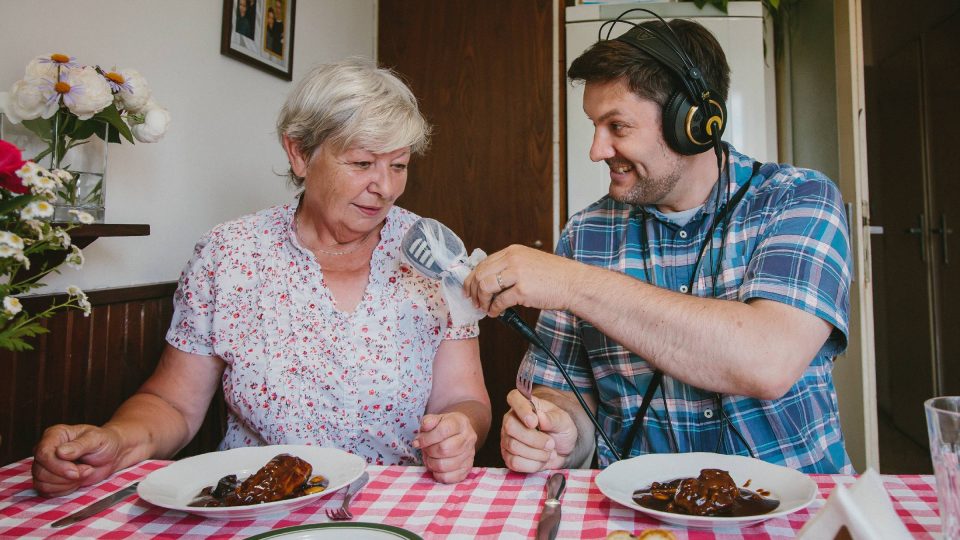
pixel 299 371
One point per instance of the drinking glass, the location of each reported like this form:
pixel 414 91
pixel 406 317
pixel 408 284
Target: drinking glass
pixel 943 427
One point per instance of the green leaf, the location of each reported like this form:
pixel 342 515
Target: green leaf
pixel 41 127
pixel 112 116
pixel 87 128
pixel 12 337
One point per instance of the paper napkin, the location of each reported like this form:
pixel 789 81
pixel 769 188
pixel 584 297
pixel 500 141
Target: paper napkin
pixel 864 508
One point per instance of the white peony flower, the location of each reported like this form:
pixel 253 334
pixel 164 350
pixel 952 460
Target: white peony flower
pixel 42 68
pixel 156 119
pixel 136 99
pixel 8 238
pixel 37 209
pixel 26 101
pixel 12 305
pixel 95 95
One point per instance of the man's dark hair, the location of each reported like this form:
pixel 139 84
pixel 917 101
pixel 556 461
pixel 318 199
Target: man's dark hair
pixel 610 60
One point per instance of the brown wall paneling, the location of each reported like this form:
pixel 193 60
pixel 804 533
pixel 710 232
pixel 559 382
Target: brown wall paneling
pixel 86 366
pixel 483 73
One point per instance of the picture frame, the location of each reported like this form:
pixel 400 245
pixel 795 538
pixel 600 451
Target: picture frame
pixel 253 34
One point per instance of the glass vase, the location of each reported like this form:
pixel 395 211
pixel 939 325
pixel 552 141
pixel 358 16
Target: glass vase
pixel 86 160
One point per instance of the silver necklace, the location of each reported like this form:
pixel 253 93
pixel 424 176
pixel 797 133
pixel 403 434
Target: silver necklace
pixel 358 245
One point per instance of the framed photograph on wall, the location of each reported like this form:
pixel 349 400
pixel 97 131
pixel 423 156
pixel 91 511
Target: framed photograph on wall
pixel 260 33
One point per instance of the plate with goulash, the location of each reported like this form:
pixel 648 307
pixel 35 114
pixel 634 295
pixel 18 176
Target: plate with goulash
pixel 706 490
pixel 251 482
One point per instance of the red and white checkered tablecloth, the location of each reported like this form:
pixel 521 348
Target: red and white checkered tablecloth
pixel 490 503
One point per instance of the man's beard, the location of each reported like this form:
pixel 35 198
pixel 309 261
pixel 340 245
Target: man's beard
pixel 646 190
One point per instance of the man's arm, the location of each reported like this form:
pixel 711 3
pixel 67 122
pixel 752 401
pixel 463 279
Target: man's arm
pixel 758 348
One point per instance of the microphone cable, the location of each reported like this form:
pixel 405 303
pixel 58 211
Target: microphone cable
pixel 513 320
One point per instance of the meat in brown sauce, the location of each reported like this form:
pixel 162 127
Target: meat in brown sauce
pixel 283 477
pixel 713 493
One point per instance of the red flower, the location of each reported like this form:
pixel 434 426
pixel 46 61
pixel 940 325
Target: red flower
pixel 10 161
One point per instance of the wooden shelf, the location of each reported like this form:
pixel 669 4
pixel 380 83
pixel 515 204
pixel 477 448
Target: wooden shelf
pixel 84 235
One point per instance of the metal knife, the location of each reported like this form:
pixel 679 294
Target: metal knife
pixel 550 515
pixel 97 507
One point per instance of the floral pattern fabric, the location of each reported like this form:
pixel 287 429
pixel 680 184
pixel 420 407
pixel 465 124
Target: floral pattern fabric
pixel 298 370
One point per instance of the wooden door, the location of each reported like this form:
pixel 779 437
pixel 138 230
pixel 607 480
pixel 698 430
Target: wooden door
pixel 483 74
pixel 941 76
pixel 900 255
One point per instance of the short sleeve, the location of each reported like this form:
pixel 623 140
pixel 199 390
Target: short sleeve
pixel 465 331
pixel 802 257
pixel 191 329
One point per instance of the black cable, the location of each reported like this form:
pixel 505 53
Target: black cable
pixel 666 411
pixel 512 319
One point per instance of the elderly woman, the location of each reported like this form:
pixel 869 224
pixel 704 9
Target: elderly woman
pixel 305 314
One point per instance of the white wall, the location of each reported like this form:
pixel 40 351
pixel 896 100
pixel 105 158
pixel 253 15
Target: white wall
pixel 220 156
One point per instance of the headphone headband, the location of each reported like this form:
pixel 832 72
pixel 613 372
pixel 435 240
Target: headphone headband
pixel 691 124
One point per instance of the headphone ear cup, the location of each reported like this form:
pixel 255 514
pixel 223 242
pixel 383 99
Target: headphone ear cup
pixel 687 129
pixel 675 114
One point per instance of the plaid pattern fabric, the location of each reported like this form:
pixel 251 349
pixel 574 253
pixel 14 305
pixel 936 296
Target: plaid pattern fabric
pixel 489 503
pixel 786 240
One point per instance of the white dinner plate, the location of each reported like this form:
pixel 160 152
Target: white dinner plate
pixel 793 489
pixel 337 531
pixel 175 485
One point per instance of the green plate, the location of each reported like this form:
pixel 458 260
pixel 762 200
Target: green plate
pixel 358 530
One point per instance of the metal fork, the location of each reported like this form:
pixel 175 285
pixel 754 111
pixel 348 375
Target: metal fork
pixel 525 382
pixel 343 513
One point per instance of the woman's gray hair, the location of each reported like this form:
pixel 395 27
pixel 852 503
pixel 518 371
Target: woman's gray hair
pixel 348 103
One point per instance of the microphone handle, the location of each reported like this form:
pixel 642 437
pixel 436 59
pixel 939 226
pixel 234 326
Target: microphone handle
pixel 513 320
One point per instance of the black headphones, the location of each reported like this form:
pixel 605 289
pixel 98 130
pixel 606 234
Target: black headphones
pixel 695 116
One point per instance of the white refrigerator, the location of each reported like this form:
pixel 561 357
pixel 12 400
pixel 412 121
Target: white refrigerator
pixel 747 41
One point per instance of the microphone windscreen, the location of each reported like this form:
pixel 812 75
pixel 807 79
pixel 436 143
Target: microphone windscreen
pixel 431 247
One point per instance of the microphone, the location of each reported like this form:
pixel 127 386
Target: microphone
pixel 436 252
pixel 417 251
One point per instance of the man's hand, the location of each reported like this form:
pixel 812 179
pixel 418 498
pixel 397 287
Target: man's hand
pixel 68 457
pixel 448 442
pixel 520 275
pixel 533 441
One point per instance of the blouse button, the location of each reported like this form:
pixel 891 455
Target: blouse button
pixel 684 289
pixel 683 234
pixel 708 413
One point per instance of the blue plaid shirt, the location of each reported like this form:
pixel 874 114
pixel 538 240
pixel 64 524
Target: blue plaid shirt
pixel 786 241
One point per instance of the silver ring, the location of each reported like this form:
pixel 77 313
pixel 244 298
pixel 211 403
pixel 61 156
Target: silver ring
pixel 500 283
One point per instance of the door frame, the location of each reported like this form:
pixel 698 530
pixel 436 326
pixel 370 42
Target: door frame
pixel 856 381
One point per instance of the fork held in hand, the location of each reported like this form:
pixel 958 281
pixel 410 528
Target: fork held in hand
pixel 343 513
pixel 525 383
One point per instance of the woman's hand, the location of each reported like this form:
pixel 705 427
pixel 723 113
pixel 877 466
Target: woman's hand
pixel 532 441
pixel 448 443
pixel 69 457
